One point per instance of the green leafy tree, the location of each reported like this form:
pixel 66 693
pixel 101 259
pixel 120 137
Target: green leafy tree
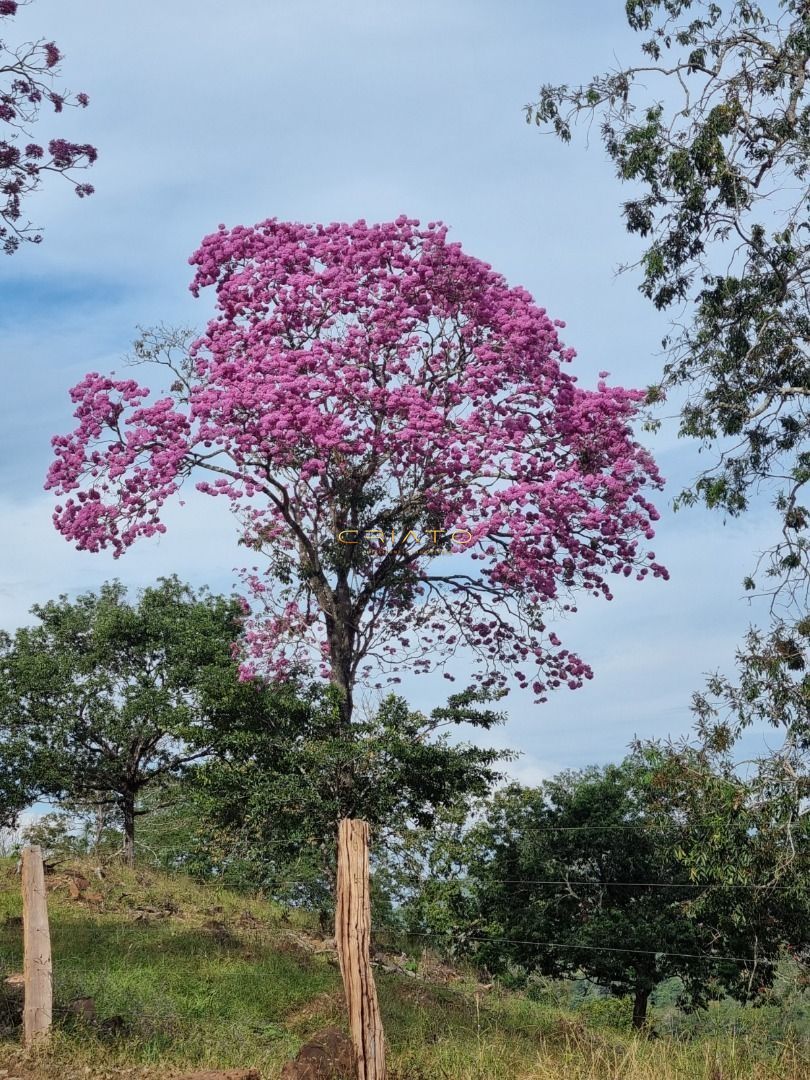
pixel 585 875
pixel 269 799
pixel 742 833
pixel 111 698
pixel 711 130
pixel 16 781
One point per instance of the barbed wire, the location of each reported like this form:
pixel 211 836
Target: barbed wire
pixel 586 947
pixel 275 932
pixel 422 879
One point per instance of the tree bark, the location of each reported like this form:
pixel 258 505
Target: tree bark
pixel 128 810
pixel 640 1007
pixel 353 940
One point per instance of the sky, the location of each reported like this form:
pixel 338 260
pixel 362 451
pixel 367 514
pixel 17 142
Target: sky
pixel 205 112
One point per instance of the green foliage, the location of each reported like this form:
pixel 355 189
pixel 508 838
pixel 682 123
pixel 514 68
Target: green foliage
pixel 771 692
pixel 263 809
pixel 566 879
pixel 17 780
pixel 608 1012
pixel 109 698
pixel 55 834
pixel 746 838
pixel 75 829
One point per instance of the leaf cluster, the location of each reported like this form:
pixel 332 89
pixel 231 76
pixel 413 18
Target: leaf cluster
pixel 711 131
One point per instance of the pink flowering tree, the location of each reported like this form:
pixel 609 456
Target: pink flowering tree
pixel 26 85
pixel 398 435
pixel 397 432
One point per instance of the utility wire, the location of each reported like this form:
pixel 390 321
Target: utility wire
pixel 628 884
pixel 589 948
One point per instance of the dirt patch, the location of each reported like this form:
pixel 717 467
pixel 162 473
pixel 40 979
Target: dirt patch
pixel 327 1056
pixel 19 1066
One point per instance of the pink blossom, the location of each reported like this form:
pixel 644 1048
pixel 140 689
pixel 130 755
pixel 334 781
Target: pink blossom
pixel 376 377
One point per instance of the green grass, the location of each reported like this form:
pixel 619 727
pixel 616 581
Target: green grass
pixel 212 978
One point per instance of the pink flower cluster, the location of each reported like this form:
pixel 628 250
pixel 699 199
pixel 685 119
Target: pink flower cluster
pixel 136 472
pixel 361 376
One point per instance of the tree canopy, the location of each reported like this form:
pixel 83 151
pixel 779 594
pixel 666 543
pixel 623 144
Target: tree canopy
pixel 268 801
pixel 383 412
pixel 587 875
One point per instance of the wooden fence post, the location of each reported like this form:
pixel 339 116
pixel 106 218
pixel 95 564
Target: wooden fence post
pixel 37 967
pixel 353 940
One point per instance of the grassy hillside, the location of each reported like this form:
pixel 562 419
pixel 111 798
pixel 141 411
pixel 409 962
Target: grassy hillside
pixel 182 975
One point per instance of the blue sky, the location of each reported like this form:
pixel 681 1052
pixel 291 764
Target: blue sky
pixel 208 112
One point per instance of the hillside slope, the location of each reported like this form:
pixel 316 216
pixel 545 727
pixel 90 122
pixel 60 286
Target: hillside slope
pixel 154 974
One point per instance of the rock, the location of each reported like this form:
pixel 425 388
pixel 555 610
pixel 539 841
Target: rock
pixel 327 1056
pixel 84 1008
pixel 77 883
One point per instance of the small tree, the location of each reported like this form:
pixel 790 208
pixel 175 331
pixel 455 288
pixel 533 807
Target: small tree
pixel 112 698
pixel 269 800
pixel 26 83
pixel 395 428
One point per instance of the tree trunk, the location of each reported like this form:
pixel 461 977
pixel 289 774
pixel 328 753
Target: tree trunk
pixel 341 646
pixel 101 824
pixel 353 940
pixel 640 1007
pixel 353 900
pixel 128 810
